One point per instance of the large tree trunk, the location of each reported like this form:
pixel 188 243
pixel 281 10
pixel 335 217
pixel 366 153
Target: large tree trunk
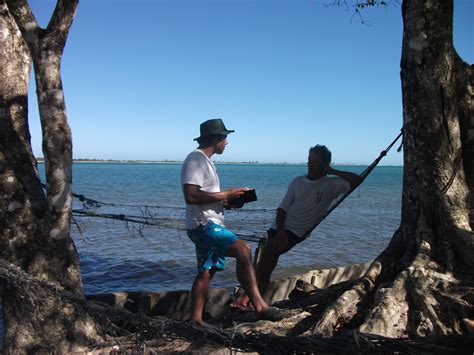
pixel 465 99
pixel 421 284
pixel 34 227
pixel 436 196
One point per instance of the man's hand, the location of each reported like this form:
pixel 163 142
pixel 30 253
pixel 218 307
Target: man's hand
pixel 232 195
pixel 235 192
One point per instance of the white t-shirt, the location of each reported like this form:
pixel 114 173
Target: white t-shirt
pixel 307 200
pixel 198 169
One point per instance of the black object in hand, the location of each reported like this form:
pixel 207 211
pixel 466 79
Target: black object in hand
pixel 247 196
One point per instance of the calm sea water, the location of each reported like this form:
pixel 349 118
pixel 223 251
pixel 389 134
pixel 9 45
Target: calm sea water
pixel 115 256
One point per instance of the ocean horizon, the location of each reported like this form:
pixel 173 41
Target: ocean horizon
pixel 166 161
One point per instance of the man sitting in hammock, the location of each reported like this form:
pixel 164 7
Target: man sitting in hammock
pixel 307 199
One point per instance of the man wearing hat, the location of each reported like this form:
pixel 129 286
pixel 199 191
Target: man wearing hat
pixel 205 223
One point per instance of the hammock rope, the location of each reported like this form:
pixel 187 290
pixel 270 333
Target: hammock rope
pixel 363 176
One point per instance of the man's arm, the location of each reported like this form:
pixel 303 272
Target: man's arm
pixel 352 178
pixel 193 195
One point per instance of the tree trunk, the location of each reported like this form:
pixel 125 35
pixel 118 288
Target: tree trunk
pixel 465 96
pixel 35 227
pixel 422 283
pixel 436 201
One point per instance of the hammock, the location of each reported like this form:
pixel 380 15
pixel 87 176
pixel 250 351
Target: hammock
pixel 363 176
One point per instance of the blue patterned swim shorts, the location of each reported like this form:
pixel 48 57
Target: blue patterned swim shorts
pixel 211 241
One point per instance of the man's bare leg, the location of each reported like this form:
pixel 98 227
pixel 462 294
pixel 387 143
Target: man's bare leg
pixel 199 292
pixel 267 263
pixel 246 273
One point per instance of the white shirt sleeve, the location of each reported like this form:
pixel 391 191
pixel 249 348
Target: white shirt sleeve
pixel 289 197
pixel 192 172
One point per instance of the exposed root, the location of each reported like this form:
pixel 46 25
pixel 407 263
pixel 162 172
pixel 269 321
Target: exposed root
pixel 281 328
pixel 315 297
pixel 422 301
pixel 345 307
pixel 389 315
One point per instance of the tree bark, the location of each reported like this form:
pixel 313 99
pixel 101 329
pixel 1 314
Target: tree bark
pixel 35 226
pixel 436 195
pixel 465 96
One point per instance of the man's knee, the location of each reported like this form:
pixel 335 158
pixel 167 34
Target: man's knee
pixel 204 275
pixel 244 249
pixel 240 249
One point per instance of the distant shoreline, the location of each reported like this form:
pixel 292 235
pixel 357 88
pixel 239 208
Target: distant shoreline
pixel 114 161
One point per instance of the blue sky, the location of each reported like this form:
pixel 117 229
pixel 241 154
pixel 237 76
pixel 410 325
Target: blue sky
pixel 140 76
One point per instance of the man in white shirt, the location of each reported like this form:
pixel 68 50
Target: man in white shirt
pixel 307 199
pixel 205 223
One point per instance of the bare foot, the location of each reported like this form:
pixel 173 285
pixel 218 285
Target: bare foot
pixel 241 303
pixel 275 314
pixel 197 322
pixel 469 323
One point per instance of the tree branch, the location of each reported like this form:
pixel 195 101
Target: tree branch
pixel 22 13
pixel 61 21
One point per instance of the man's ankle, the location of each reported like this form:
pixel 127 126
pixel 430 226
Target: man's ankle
pixel 245 300
pixel 197 320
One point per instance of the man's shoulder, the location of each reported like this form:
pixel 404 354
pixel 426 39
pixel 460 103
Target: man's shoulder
pixel 299 178
pixel 195 155
pixel 329 180
pixel 334 179
pixel 337 181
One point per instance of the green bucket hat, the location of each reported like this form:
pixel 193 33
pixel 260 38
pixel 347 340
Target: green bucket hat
pixel 214 126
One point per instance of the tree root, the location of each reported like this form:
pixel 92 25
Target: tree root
pixel 315 297
pixel 421 301
pixel 389 315
pixel 345 307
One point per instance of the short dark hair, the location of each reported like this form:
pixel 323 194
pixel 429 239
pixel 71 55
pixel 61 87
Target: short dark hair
pixel 209 140
pixel 323 151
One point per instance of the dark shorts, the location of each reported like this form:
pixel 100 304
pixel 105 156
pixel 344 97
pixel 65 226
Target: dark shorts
pixel 292 237
pixel 211 241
